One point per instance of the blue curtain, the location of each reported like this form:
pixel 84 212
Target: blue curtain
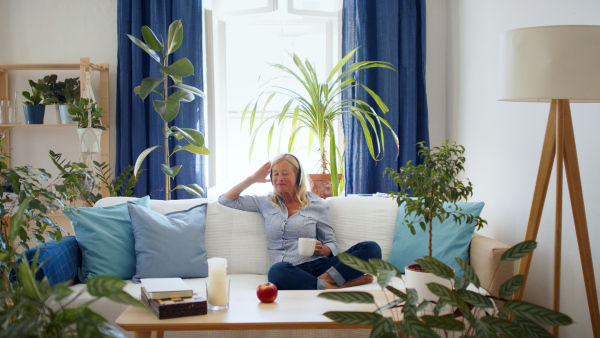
pixel 138 125
pixel 391 31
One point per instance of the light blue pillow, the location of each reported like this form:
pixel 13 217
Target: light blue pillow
pixel 105 238
pixel 449 240
pixel 169 245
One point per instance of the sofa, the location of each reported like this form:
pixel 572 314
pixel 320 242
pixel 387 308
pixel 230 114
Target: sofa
pixel 240 237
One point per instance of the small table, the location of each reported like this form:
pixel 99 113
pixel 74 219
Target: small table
pixel 292 310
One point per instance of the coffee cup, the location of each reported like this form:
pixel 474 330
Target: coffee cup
pixel 306 246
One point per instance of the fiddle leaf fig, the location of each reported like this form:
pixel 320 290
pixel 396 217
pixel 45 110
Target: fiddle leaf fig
pixel 168 105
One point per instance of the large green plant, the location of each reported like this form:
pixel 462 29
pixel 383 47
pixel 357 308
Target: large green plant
pixel 168 104
pixel 460 311
pixel 317 108
pixel 37 95
pixel 26 199
pixel 425 188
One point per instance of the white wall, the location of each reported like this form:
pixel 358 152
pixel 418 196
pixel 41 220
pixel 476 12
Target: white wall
pixel 58 31
pixel 504 141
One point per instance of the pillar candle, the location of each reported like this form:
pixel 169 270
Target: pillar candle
pixel 217 281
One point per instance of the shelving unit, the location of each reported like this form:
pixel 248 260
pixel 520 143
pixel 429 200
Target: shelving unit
pixel 83 65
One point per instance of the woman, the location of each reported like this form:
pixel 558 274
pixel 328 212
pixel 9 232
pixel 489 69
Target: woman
pixel 290 213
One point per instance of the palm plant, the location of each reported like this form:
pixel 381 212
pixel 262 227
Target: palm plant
pixel 319 107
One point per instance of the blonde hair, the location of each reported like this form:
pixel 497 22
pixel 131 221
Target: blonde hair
pixel 277 198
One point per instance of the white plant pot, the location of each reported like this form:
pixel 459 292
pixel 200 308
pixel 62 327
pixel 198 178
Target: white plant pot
pixel 418 280
pixel 64 116
pixel 90 139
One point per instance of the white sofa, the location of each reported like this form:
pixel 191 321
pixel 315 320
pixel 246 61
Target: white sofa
pixel 240 237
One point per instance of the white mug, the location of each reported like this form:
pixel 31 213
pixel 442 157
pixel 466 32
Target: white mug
pixel 306 246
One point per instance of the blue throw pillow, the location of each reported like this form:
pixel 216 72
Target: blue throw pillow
pixel 170 245
pixel 449 239
pixel 59 260
pixel 106 240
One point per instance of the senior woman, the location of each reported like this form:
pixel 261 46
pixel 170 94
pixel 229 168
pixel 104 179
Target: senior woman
pixel 290 213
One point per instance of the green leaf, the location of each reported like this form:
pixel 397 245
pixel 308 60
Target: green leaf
pixel 167 110
pixel 182 95
pixel 537 313
pixel 384 278
pixel 353 318
pixel 436 267
pixel 193 149
pixel 451 298
pixel 413 327
pixel 150 39
pixel 191 89
pixel 518 251
pixel 125 298
pixel 193 136
pixel 475 299
pixel 381 264
pixel 444 323
pixel 511 286
pixel 104 286
pixel 532 329
pixel 357 263
pixel 60 291
pixel 469 272
pixel 141 158
pixel 147 86
pixel 175 36
pixel 439 306
pixel 171 172
pixel 349 297
pixel 390 305
pixel 181 68
pixel 382 326
pixel 193 189
pixel 15 222
pixel 396 292
pixel 68 316
pixel 143 46
pixel 504 327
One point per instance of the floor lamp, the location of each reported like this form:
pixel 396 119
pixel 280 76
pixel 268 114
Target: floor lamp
pixel 556 64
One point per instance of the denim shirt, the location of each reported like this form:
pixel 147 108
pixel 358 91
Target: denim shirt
pixel 313 221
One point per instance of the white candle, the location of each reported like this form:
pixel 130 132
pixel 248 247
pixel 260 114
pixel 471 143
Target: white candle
pixel 217 281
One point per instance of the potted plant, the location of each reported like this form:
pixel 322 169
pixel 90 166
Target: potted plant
pixel 317 107
pixel 90 131
pixel 431 191
pixel 62 93
pixel 25 306
pixel 168 105
pixel 464 309
pixel 35 104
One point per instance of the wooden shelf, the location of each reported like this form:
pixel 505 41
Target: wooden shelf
pixel 48 66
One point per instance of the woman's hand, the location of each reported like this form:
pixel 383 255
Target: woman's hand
pixel 322 250
pixel 262 174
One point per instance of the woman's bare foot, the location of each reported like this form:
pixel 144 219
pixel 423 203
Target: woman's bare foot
pixel 362 280
pixel 327 278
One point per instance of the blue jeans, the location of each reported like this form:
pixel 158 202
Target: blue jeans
pixel 305 276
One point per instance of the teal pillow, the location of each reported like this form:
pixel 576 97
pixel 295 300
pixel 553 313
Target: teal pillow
pixel 106 240
pixel 449 240
pixel 169 245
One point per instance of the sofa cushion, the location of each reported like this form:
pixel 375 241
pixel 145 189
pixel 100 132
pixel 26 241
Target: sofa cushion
pixel 106 240
pixel 59 260
pixel 449 239
pixel 357 219
pixel 169 245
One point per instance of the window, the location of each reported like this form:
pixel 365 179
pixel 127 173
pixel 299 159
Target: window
pixel 242 38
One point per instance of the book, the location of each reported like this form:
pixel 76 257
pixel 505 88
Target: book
pixel 176 306
pixel 161 288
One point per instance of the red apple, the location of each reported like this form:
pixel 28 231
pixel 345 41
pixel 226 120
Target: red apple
pixel 267 292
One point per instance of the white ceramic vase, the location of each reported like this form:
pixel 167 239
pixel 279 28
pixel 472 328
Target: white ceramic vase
pixel 416 279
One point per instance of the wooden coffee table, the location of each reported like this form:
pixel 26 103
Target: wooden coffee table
pixel 291 310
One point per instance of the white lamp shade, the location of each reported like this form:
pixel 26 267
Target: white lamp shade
pixel 550 62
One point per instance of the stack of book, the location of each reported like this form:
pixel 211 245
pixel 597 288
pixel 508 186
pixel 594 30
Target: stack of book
pixel 171 298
